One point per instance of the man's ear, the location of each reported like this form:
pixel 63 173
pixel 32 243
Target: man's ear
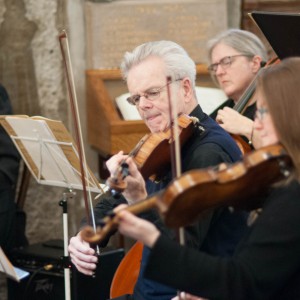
pixel 187 89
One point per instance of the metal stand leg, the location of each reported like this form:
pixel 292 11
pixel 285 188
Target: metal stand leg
pixel 64 204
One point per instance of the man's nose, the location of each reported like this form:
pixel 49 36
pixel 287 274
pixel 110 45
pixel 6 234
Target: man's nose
pixel 144 101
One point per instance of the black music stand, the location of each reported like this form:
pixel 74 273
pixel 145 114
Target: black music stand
pixel 282 30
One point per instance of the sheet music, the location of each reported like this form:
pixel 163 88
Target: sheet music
pixel 49 152
pixel 9 270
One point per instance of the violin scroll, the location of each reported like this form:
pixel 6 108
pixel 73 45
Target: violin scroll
pixel 110 223
pixel 92 236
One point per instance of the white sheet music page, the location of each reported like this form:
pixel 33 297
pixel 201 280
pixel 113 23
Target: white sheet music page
pixel 9 270
pixel 49 153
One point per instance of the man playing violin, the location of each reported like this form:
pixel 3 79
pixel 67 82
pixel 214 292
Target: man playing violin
pixel 145 71
pixel 235 58
pixel 266 264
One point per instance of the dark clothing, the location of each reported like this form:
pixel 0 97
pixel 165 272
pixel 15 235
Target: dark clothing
pixel 9 168
pixel 219 232
pixel 266 265
pixel 249 111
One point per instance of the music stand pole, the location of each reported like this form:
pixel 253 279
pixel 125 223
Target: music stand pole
pixel 66 262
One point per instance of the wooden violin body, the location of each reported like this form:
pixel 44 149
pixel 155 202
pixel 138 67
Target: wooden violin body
pixel 154 158
pixel 152 153
pixel 238 185
pixel 196 192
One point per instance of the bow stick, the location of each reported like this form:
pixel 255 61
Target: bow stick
pixel 175 146
pixel 78 132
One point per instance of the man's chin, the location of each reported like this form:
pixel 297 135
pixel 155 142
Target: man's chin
pixel 154 128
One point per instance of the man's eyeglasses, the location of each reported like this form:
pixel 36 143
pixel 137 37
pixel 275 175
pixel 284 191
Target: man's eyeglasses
pixel 151 94
pixel 260 113
pixel 225 63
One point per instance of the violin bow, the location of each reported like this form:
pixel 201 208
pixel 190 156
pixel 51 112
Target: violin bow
pixel 175 154
pixel 77 128
pixel 175 146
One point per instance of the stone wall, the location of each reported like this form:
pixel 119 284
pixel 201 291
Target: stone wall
pixel 31 70
pixel 119 26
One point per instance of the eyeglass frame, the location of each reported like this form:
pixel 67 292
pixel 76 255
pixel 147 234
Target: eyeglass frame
pixel 260 113
pixel 146 94
pixel 214 67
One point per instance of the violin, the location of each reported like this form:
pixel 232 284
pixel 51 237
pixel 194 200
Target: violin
pixel 152 153
pixel 198 191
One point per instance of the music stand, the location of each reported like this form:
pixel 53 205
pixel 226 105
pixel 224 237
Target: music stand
pixel 52 158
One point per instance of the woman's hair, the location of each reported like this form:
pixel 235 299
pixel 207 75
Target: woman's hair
pixel 279 85
pixel 242 41
pixel 177 62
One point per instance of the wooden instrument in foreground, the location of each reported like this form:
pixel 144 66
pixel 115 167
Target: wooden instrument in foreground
pixel 194 193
